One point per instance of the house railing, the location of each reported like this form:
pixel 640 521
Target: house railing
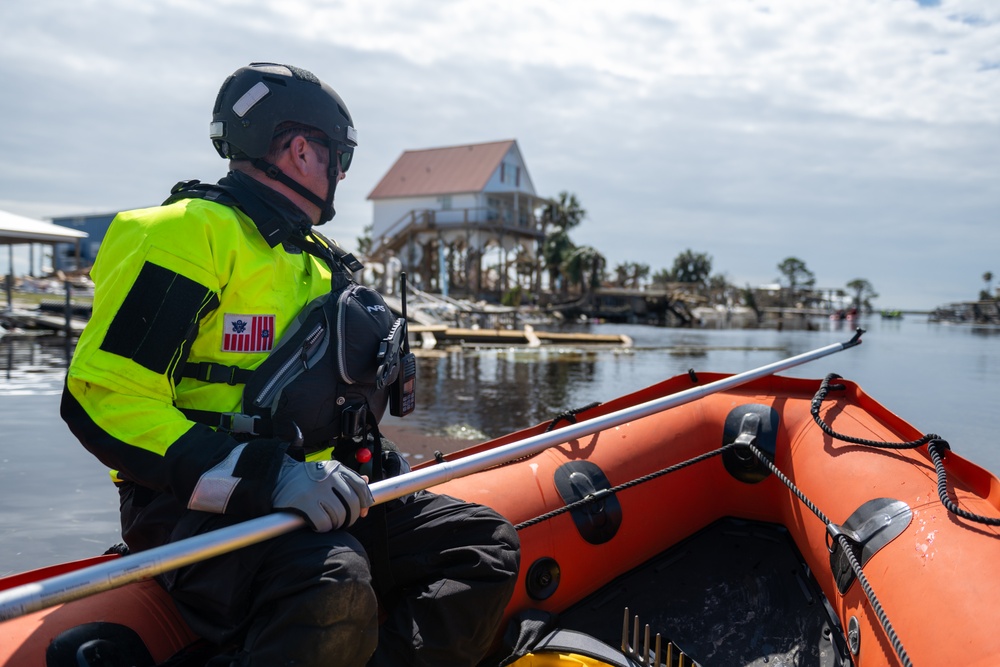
pixel 486 218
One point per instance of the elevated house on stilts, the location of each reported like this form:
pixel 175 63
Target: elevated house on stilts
pixel 460 220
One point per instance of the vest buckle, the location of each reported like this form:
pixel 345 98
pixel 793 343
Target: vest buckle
pixel 236 422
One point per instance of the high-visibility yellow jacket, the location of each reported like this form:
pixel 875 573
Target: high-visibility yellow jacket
pixel 192 281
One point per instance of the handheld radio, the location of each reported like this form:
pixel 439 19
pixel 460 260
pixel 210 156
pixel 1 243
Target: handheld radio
pixel 402 392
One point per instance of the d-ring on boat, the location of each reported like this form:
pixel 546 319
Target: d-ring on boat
pixel 709 519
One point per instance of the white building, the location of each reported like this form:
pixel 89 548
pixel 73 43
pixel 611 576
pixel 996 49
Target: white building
pixel 460 218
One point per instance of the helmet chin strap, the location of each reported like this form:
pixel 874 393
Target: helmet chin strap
pixel 325 206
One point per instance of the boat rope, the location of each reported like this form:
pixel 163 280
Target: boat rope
pixel 824 389
pixel 845 544
pixel 603 493
pixel 936 448
pixel 569 416
pixel 832 529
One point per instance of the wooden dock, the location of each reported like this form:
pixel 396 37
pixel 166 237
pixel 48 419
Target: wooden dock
pixel 433 335
pixel 41 320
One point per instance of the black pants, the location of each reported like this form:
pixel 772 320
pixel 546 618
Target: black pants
pixel 440 570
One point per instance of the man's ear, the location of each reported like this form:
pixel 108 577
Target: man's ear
pixel 300 155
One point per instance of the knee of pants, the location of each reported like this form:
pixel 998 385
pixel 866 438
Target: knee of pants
pixel 346 566
pixel 349 604
pixel 339 591
pixel 327 620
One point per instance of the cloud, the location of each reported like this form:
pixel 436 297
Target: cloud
pixel 860 135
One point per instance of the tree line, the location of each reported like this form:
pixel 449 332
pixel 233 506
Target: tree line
pixel 575 270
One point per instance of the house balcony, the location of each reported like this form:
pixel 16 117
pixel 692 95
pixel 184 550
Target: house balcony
pixel 471 227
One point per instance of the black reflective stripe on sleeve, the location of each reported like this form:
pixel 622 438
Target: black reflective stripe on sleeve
pixel 155 318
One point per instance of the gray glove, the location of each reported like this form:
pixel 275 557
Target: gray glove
pixel 327 493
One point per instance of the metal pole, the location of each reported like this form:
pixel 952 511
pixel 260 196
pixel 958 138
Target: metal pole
pixel 396 487
pixel 32 597
pixel 10 278
pixel 68 308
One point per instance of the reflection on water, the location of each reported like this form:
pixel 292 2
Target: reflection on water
pixel 941 379
pixel 57 504
pixel 31 364
pixel 496 391
pixel 487 390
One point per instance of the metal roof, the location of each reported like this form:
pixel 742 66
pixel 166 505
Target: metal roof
pixel 442 171
pixel 19 229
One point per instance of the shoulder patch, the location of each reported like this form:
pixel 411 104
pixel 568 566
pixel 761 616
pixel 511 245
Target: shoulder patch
pixel 155 317
pixel 248 333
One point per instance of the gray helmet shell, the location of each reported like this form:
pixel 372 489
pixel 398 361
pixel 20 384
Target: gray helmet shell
pixel 257 98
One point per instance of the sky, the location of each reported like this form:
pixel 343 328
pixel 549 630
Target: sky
pixel 860 136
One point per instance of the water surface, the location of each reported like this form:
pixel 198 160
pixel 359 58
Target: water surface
pixel 57 503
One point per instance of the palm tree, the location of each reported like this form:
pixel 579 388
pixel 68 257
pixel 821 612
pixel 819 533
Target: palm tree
pixel 555 250
pixel 563 214
pixel 863 294
pixel 691 267
pixel 988 279
pixel 795 272
pixel 585 267
pixel 630 274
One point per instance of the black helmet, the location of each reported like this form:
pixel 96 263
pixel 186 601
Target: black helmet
pixel 257 98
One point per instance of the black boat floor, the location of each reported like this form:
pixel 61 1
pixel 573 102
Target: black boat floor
pixel 736 594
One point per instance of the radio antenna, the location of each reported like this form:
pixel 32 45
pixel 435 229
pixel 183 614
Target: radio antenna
pixel 402 300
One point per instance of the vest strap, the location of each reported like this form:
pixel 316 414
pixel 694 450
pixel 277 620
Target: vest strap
pixel 208 371
pixel 230 422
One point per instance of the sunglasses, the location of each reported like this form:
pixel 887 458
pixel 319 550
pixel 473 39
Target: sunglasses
pixel 344 153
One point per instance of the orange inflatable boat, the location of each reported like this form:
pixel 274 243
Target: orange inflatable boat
pixel 781 522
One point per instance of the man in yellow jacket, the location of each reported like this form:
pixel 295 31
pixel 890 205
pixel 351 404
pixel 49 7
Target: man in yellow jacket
pixel 190 298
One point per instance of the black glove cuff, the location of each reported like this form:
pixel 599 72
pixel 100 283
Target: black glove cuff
pixel 257 469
